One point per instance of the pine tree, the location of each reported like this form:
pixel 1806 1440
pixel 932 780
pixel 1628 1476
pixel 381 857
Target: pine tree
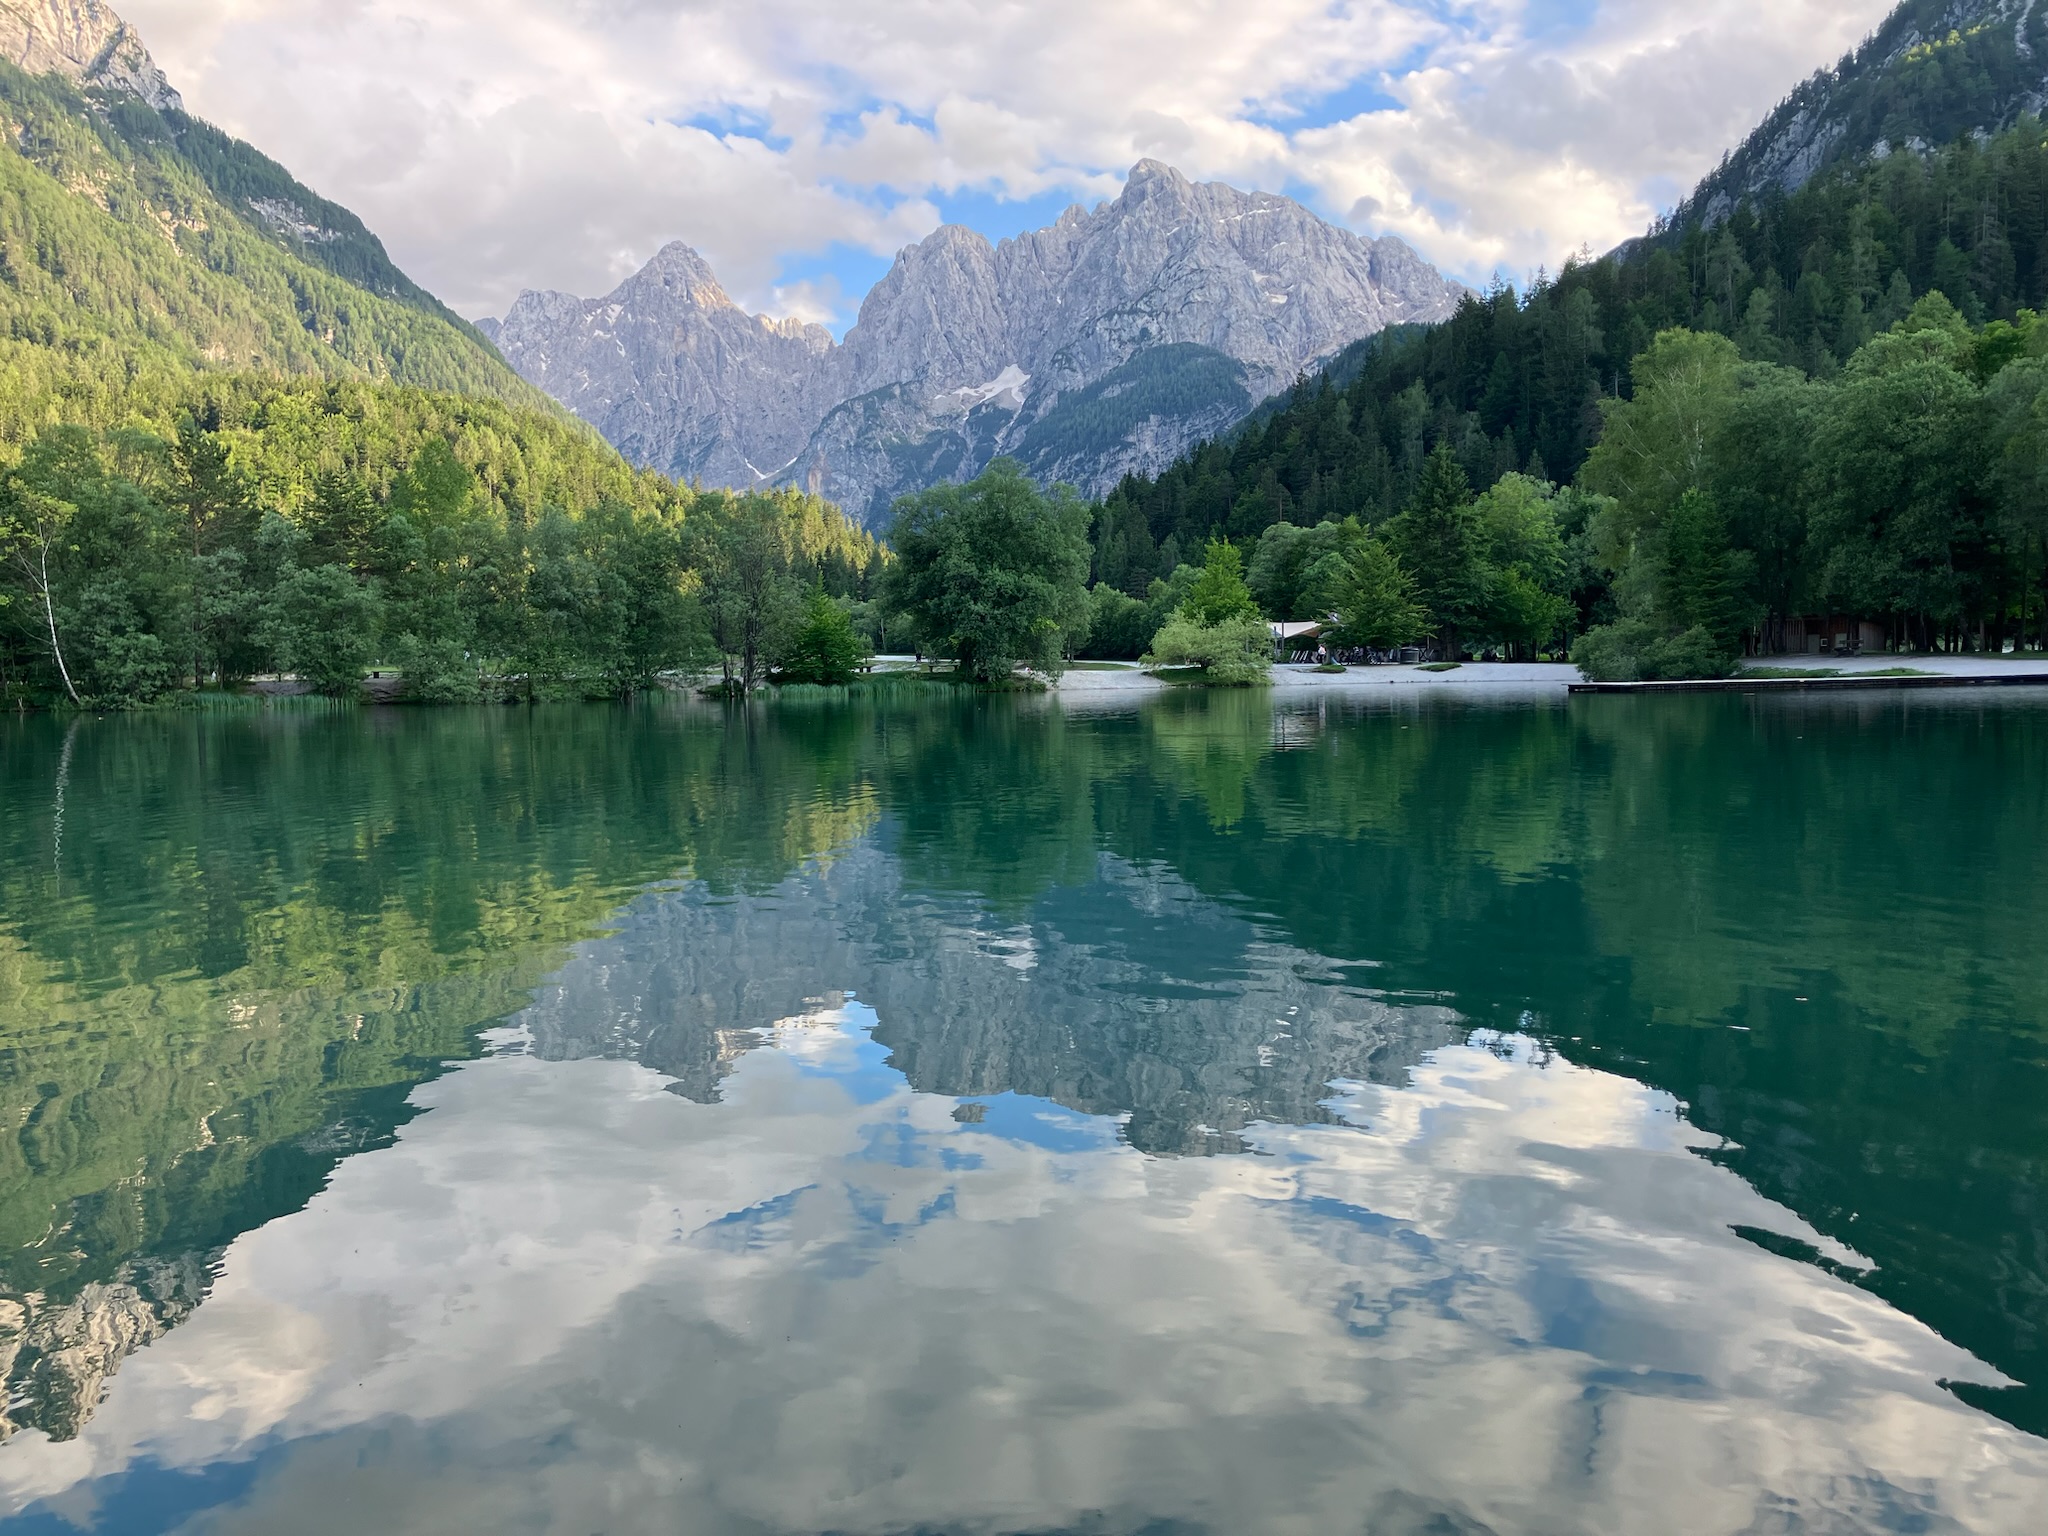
pixel 1704 580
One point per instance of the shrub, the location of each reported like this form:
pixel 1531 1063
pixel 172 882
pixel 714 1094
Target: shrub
pixel 437 670
pixel 1638 651
pixel 1119 627
pixel 1234 652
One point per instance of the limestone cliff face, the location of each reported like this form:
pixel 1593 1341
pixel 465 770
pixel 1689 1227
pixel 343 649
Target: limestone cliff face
pixel 84 41
pixel 967 349
pixel 674 373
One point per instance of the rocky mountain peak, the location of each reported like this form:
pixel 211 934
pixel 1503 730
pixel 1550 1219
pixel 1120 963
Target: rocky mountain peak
pixel 1151 178
pixel 678 269
pixel 1182 303
pixel 86 42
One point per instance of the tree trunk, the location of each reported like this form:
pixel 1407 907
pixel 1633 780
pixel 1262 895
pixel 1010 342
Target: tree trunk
pixel 198 659
pixel 50 615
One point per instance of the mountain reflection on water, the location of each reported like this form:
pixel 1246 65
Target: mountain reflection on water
pixel 989 1118
pixel 1129 997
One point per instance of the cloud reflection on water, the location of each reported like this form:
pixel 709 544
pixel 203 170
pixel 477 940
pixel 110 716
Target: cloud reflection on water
pixel 1495 1292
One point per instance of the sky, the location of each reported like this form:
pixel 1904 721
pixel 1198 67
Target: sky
pixel 499 145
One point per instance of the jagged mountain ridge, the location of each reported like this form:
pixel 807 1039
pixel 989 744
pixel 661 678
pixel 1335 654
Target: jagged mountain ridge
pixel 1933 71
pixel 1104 344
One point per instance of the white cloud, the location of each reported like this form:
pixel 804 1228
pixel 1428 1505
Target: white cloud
pixel 502 144
pixel 568 1294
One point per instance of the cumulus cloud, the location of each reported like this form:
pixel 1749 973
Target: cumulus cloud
pixel 505 144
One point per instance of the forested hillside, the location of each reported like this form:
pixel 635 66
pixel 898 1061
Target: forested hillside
pixel 1863 449
pixel 1933 72
pixel 163 541
pixel 133 241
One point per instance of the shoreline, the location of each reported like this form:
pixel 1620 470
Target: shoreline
pixel 1111 681
pixel 1523 677
pixel 1853 674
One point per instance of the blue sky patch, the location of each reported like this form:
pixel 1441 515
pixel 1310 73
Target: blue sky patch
pixel 148 1497
pixel 852 269
pixel 999 217
pixel 1360 96
pixel 1042 1123
pixel 737 123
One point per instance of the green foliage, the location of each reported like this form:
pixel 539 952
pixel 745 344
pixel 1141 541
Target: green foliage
pixel 1375 601
pixel 133 242
pixel 993 573
pixel 323 624
pixel 222 455
pixel 825 650
pixel 1120 628
pixel 1217 625
pixel 1514 381
pixel 1529 568
pixel 1642 651
pixel 1658 444
pixel 1219 594
pixel 1234 651
pixel 1907 489
pixel 1438 541
pixel 1293 569
pixel 1686 593
pixel 1916 77
pixel 483 551
pixel 1703 582
pixel 752 593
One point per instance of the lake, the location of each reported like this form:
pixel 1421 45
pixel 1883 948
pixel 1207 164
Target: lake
pixel 1221 1114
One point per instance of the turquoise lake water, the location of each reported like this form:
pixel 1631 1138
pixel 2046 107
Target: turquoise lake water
pixel 1223 1114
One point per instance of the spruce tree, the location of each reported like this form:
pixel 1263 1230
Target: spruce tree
pixel 1437 539
pixel 1703 579
pixel 1376 604
pixel 824 650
